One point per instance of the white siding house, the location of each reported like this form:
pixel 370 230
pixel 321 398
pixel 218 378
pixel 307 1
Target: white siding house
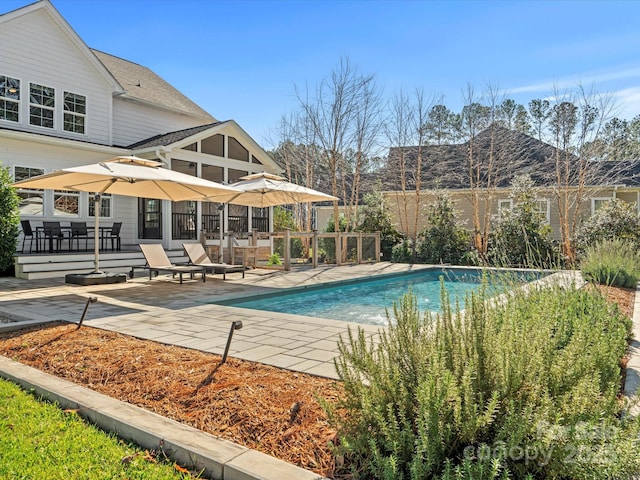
pixel 63 104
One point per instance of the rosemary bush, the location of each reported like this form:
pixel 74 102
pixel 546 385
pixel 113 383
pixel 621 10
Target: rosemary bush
pixel 525 389
pixel 612 262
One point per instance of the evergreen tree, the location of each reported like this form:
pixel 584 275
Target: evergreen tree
pixel 9 220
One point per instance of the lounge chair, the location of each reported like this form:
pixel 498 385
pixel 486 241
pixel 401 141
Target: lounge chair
pixel 197 256
pixel 157 261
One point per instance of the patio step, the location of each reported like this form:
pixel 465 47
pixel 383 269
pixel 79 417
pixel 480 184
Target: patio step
pixel 33 267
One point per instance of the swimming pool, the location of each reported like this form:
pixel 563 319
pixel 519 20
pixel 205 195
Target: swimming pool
pixel 365 300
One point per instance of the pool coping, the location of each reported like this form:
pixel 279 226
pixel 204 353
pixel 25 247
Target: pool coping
pixel 228 301
pixel 199 448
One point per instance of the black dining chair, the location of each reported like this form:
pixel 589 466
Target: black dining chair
pixel 79 231
pixel 53 234
pixel 113 234
pixel 27 232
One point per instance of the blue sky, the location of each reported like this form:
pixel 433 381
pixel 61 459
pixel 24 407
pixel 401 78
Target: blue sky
pixel 241 59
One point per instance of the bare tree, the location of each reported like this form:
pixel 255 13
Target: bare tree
pixel 408 130
pixel 333 111
pixel 475 117
pixel 575 123
pixel 423 105
pixel 298 153
pixel 366 129
pixel 398 130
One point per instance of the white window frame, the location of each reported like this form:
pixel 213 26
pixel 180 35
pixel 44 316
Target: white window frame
pixel 35 192
pixel 547 210
pixel 504 204
pixel 106 201
pixel 66 193
pixel 598 199
pixel 8 99
pixel 73 113
pixel 42 107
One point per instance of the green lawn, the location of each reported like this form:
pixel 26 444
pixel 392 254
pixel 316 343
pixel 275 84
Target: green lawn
pixel 39 440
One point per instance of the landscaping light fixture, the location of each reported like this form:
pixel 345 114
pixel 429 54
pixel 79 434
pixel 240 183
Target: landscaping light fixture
pixel 86 307
pixel 235 325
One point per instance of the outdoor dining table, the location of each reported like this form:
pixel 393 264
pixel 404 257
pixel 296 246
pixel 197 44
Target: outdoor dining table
pixel 40 234
pixel 66 235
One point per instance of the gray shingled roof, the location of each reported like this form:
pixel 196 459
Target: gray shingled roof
pixel 171 137
pixel 445 166
pixel 141 83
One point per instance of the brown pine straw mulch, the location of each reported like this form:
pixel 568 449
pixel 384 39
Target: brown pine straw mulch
pixel 265 408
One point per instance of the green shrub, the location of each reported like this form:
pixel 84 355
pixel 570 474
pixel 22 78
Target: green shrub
pixel 9 220
pixel 274 259
pixel 525 389
pixel 521 237
pixel 614 219
pixel 376 217
pixel 612 262
pixel 403 252
pixel 443 241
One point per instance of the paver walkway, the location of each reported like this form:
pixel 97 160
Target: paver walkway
pixel 165 311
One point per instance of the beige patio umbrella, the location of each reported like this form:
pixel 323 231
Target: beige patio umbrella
pixel 132 177
pixel 268 190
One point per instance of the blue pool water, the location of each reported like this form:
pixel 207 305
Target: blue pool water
pixel 366 301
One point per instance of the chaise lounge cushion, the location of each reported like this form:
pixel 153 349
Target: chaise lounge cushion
pixel 157 261
pixel 197 256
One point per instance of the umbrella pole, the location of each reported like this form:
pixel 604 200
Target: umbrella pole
pixel 221 255
pixel 96 234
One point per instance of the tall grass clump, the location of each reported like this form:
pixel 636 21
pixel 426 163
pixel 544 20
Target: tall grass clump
pixel 612 262
pixel 527 388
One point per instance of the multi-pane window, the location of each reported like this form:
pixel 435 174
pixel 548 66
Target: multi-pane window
pixel 504 206
pixel 66 203
pixel 31 200
pixel 105 206
pixel 598 202
pixel 544 208
pixel 237 151
pixel 75 111
pixel 9 98
pixel 42 104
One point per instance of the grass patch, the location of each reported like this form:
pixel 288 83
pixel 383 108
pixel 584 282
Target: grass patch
pixel 39 440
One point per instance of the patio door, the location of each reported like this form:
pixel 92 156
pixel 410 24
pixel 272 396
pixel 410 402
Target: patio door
pixel 149 218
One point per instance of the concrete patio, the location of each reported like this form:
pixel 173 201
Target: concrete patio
pixel 167 312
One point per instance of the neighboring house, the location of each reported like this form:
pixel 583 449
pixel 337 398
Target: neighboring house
pixel 63 104
pixel 510 153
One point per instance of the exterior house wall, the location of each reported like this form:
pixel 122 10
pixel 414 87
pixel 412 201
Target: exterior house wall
pixel 465 210
pixel 34 49
pixel 49 156
pixel 199 160
pixel 38 46
pixel 133 121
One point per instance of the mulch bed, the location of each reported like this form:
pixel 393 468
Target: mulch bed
pixel 261 407
pixel 265 408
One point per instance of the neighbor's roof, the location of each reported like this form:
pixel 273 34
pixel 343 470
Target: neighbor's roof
pixel 142 84
pixel 513 153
